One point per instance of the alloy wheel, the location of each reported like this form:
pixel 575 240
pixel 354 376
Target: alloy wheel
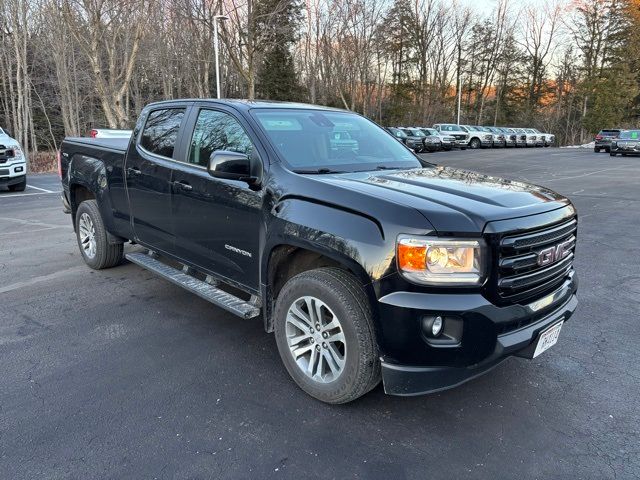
pixel 316 339
pixel 87 232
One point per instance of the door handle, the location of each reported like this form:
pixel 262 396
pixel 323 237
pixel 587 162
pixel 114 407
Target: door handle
pixel 133 171
pixel 183 185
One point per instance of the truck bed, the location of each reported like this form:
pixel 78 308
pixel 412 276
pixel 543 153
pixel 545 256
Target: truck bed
pixel 117 144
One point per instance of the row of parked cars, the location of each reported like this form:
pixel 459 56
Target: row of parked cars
pixel 616 141
pixel 446 136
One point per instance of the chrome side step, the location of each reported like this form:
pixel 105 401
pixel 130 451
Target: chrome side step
pixel 204 289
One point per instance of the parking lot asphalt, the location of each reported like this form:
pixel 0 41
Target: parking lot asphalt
pixel 120 374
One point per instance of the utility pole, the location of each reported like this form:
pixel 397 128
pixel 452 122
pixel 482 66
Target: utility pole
pixel 215 49
pixel 459 97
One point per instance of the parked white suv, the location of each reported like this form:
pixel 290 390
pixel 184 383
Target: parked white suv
pixel 457 131
pixel 13 164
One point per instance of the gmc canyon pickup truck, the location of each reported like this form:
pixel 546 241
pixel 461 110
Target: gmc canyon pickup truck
pixel 367 263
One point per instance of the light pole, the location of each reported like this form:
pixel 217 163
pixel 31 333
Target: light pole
pixel 215 49
pixel 459 97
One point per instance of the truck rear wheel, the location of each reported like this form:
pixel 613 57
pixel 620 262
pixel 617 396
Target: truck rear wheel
pixel 94 245
pixel 325 335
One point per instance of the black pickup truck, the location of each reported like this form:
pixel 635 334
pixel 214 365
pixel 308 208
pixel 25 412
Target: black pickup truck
pixel 366 262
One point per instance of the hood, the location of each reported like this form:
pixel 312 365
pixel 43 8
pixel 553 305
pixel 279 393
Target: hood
pixel 7 140
pixel 452 200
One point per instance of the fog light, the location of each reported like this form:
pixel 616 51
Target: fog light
pixel 18 169
pixel 436 326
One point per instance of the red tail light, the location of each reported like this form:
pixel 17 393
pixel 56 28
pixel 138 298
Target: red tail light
pixel 59 164
pixel 93 133
pixel 598 137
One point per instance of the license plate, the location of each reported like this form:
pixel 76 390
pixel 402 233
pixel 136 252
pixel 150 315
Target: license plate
pixel 547 339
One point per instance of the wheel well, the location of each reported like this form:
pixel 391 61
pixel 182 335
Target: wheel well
pixel 286 261
pixel 79 194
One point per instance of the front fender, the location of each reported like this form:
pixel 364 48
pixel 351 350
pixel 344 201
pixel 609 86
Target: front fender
pixel 348 237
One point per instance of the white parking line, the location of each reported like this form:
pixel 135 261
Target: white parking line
pixel 41 189
pixel 13 195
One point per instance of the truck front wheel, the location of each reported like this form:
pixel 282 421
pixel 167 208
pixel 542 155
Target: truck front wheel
pixel 19 187
pixel 94 245
pixel 325 335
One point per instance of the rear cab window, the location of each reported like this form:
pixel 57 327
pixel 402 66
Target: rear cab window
pixel 160 131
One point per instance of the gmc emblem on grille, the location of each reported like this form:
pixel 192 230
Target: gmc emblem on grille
pixel 554 254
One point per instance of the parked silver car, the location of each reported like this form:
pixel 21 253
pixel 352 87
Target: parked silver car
pixel 448 141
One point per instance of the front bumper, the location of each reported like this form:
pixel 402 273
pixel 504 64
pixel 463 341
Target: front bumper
pixel 496 342
pixel 12 173
pixel 629 149
pixel 433 147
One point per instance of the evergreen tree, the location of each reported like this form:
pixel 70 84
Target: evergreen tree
pixel 277 77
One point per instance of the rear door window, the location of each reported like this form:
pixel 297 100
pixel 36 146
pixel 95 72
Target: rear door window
pixel 160 132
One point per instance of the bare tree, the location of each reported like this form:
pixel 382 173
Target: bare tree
pixel 109 33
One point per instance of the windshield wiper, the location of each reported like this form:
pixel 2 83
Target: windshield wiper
pixel 319 171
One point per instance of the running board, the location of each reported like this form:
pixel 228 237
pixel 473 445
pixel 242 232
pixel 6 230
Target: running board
pixel 201 288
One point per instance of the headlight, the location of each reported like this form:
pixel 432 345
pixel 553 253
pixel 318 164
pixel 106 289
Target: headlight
pixel 17 151
pixel 435 261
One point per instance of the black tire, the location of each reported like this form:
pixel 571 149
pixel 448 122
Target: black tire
pixel 344 295
pixel 475 143
pixel 463 148
pixel 596 150
pixel 607 149
pixel 19 187
pixel 107 254
pixel 612 154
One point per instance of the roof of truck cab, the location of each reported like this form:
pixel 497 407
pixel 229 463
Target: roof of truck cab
pixel 244 104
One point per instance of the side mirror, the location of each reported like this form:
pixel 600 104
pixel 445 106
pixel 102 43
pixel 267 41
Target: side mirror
pixel 234 166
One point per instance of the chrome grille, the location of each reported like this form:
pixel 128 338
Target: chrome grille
pixel 5 154
pixel 519 275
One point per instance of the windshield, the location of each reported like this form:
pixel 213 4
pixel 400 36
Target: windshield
pixel 305 140
pixel 397 132
pixel 450 128
pixel 415 132
pixel 430 131
pixel 631 134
